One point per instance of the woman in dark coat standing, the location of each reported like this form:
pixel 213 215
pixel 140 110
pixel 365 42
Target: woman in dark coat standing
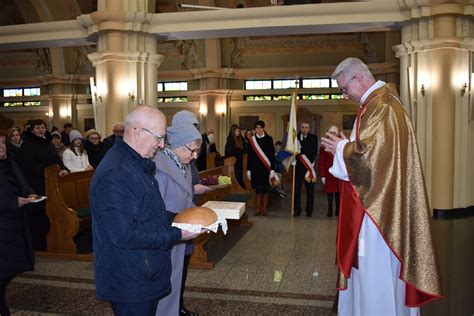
pixel 94 147
pixel 234 148
pixel 259 169
pixel 37 153
pixel 16 253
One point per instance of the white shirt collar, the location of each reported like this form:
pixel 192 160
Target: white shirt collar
pixel 375 86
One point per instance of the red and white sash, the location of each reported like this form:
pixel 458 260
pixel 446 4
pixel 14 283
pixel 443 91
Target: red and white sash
pixel 310 175
pixel 273 178
pixel 260 154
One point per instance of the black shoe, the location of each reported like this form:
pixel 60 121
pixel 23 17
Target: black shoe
pixel 184 312
pixel 296 214
pixel 329 214
pixel 337 212
pixel 309 214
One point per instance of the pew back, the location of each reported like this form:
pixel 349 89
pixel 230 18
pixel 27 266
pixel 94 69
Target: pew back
pixel 67 207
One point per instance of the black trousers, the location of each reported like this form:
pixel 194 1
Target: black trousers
pixel 4 310
pixel 330 197
pixel 299 180
pixel 38 224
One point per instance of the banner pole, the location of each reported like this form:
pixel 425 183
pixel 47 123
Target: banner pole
pixel 293 190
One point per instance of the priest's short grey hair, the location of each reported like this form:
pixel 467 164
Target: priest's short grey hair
pixel 350 67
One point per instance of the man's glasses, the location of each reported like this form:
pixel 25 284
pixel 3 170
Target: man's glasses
pixel 344 88
pixel 158 137
pixel 196 151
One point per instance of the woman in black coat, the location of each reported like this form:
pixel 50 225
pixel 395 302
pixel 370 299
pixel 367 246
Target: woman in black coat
pixel 16 253
pixel 258 172
pixel 36 153
pixel 94 147
pixel 234 148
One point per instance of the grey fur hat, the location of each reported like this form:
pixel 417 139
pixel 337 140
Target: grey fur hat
pixel 182 134
pixel 184 116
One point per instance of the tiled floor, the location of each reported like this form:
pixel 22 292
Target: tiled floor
pixel 279 266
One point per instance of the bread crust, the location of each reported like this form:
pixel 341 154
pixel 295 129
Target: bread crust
pixel 196 215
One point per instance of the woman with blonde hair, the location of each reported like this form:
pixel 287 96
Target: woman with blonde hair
pixel 94 147
pixel 14 140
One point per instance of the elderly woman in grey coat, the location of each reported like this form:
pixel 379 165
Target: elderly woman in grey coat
pixel 173 174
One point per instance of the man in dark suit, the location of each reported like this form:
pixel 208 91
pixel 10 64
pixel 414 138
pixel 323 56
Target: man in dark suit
pixel 305 170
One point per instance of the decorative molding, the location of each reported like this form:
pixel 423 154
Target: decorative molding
pixel 17 59
pixel 302 41
pixel 187 49
pixel 168 49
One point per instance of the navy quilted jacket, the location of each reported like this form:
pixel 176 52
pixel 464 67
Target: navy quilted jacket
pixel 131 229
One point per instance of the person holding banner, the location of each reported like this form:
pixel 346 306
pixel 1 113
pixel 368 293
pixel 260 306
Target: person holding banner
pixel 305 169
pixel 261 167
pixel 385 250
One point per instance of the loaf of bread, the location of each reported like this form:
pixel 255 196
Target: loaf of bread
pixel 196 215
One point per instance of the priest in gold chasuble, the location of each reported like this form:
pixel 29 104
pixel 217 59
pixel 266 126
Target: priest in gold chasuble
pixel 385 251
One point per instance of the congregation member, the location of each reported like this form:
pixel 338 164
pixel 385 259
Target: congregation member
pixel 234 147
pixel 16 253
pixel 305 172
pixel 36 153
pixel 385 250
pixel 94 147
pixel 117 132
pixel 75 157
pixel 190 117
pixel 201 161
pixel 174 176
pixel 279 168
pixel 132 229
pixel 246 142
pixel 56 140
pixel 67 128
pixel 330 183
pixel 210 139
pixel 14 140
pixel 261 167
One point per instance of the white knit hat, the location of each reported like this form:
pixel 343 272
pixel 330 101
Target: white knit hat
pixel 74 134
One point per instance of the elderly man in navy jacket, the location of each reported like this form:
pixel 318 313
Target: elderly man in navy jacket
pixel 131 229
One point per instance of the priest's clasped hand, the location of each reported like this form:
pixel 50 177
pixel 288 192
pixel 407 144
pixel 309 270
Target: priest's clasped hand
pixel 330 141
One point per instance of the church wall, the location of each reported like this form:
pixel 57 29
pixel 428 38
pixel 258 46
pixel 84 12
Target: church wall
pixel 471 157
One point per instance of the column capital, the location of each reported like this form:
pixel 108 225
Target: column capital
pixel 422 8
pixel 116 20
pixel 105 56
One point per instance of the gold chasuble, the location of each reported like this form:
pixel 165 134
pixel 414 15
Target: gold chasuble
pixel 387 184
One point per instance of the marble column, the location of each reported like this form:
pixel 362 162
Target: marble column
pixel 435 63
pixel 126 60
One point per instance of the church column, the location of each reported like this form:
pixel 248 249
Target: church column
pixel 126 60
pixel 214 100
pixel 434 60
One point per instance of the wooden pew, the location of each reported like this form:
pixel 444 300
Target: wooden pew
pixel 67 207
pixel 210 160
pixel 199 259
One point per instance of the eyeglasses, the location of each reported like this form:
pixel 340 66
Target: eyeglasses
pixel 196 151
pixel 158 137
pixel 344 88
